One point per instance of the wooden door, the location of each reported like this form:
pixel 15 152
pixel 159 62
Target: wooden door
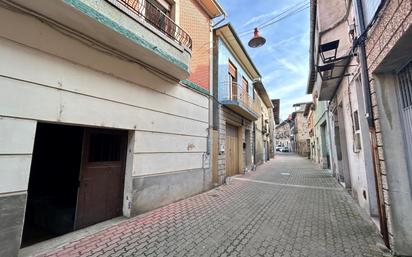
pixel 232 150
pixel 101 179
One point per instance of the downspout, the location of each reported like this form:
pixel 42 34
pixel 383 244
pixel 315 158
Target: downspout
pixel 363 62
pixel 254 146
pixel 331 152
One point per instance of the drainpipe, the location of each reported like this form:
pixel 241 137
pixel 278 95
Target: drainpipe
pixel 331 153
pixel 363 62
pixel 254 146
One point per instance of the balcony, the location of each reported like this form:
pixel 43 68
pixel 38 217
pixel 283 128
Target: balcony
pixel 240 101
pixel 155 17
pixel 135 29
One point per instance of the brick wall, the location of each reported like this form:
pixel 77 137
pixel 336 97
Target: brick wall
pixel 195 21
pixel 394 21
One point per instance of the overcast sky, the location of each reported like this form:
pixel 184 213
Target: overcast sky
pixel 283 60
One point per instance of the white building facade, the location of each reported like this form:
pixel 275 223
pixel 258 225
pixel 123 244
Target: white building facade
pixel 94 123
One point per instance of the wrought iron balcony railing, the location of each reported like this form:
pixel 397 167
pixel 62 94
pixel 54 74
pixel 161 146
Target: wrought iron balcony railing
pixel 240 94
pixel 155 17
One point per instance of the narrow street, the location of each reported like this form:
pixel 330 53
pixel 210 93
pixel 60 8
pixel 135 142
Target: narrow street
pixel 286 208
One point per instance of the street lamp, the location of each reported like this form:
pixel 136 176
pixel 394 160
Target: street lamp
pixel 257 40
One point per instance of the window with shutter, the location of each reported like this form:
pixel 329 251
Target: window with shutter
pixel 233 81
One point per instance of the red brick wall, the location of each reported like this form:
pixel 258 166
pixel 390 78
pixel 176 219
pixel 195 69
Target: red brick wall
pixel 195 21
pixel 394 20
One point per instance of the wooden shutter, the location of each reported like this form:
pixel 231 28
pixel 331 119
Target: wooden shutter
pixel 245 85
pixel 232 71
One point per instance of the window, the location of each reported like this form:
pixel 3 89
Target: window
pixel 356 120
pixel 105 147
pixel 163 6
pixel 232 81
pixel 369 9
pixel 158 13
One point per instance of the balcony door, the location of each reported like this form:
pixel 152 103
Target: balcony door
pixel 233 89
pixel 245 92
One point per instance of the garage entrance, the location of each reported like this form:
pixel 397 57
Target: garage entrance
pixel 76 180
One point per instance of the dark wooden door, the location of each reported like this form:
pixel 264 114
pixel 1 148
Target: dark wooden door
pixel 101 179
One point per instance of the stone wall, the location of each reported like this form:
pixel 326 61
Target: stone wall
pixel 302 134
pixel 228 116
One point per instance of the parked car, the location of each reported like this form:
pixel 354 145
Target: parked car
pixel 278 148
pixel 285 149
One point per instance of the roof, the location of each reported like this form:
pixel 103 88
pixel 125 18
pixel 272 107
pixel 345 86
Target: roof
pixel 287 121
pixel 299 104
pixel 261 90
pixel 312 70
pixel 229 35
pixel 276 107
pixel 307 109
pixel 212 8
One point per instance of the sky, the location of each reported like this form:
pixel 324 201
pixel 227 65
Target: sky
pixel 283 61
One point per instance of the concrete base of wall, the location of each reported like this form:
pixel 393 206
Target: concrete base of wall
pixel 151 192
pixel 12 208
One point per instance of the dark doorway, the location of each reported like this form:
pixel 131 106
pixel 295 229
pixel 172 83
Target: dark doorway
pixel 53 183
pixel 63 159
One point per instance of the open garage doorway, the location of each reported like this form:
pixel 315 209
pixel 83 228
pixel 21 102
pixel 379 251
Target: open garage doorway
pixel 76 180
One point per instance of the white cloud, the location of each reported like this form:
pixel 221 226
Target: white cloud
pixel 298 68
pixel 261 17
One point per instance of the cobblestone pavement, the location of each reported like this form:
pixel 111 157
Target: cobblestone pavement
pixel 286 208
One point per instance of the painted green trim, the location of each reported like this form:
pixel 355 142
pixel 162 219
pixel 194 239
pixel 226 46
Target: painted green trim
pixel 195 86
pixel 89 11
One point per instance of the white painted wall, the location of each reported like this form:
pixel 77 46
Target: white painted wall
pixel 169 120
pixel 16 146
pixel 356 160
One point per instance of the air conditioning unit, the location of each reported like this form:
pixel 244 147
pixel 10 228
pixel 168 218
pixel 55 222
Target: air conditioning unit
pixel 357 144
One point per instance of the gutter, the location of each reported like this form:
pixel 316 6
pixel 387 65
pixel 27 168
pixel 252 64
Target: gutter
pixel 312 71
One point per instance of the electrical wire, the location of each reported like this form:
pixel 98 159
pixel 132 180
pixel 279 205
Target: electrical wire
pixel 291 9
pixel 288 12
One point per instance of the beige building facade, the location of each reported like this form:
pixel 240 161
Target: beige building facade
pixel 368 105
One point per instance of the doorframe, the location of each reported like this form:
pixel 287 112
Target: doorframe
pixel 344 146
pixel 128 174
pixel 240 134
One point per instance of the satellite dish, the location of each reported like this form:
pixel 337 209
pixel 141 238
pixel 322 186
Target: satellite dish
pixel 257 40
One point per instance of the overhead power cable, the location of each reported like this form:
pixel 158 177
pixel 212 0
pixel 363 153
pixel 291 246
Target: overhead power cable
pixel 288 12
pixel 290 9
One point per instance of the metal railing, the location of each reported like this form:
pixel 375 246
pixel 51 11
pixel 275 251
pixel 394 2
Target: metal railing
pixel 240 94
pixel 155 17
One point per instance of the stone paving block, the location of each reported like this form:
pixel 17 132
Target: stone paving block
pixel 262 213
